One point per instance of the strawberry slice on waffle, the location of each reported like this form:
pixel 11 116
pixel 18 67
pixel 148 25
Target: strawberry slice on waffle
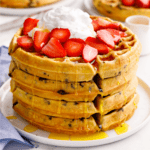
pixel 29 24
pixel 54 49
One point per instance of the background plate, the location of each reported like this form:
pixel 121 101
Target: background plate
pixel 89 7
pixel 139 119
pixel 28 11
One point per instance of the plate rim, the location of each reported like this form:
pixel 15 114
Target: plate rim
pixel 33 10
pixel 68 143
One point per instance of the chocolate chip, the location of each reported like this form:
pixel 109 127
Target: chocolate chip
pixel 66 80
pixel 119 93
pixel 70 125
pixel 82 119
pixel 47 101
pixel 26 93
pixel 64 102
pixel 72 86
pixel 30 97
pixel 100 90
pixel 50 117
pixel 15 104
pixel 62 92
pixel 76 103
pixel 26 70
pixel 44 73
pixel 81 84
pixel 119 73
pixel 109 12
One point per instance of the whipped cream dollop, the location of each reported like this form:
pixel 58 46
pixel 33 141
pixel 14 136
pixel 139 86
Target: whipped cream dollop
pixel 78 22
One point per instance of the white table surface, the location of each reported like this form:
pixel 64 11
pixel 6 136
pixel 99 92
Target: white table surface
pixel 138 141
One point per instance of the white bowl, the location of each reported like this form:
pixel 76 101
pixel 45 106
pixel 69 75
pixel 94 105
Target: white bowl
pixel 140 25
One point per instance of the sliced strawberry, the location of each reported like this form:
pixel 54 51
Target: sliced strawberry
pixel 61 34
pixel 74 47
pixel 106 37
pixel 142 3
pixel 106 24
pixel 29 24
pixel 99 45
pixel 40 39
pixel 128 2
pixel 116 34
pixel 54 49
pixel 89 53
pixel 95 24
pixel 25 42
pixel 78 40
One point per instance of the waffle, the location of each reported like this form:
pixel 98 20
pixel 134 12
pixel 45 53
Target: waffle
pixel 69 89
pixel 60 95
pixel 52 85
pixel 51 107
pixel 55 124
pixel 25 3
pixel 115 10
pixel 71 69
pixel 116 117
pixel 117 100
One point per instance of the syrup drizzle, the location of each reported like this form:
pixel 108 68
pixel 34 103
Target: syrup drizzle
pixel 58 136
pixel 95 136
pixel 123 128
pixel 30 128
pixel 11 117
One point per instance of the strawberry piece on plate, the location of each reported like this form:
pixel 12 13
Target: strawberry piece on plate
pixel 95 24
pixel 89 53
pixel 128 2
pixel 106 37
pixel 40 39
pixel 116 34
pixel 29 24
pixel 99 45
pixel 25 42
pixel 142 3
pixel 106 24
pixel 54 49
pixel 74 47
pixel 61 34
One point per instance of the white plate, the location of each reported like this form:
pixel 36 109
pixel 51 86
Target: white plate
pixel 28 11
pixel 89 7
pixel 139 119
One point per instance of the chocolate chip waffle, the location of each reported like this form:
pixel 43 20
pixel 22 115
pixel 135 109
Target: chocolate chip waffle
pixel 25 3
pixel 61 108
pixel 68 90
pixel 55 124
pixel 116 10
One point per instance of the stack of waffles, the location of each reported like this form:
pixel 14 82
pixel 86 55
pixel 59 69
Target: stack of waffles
pixel 25 3
pixel 68 95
